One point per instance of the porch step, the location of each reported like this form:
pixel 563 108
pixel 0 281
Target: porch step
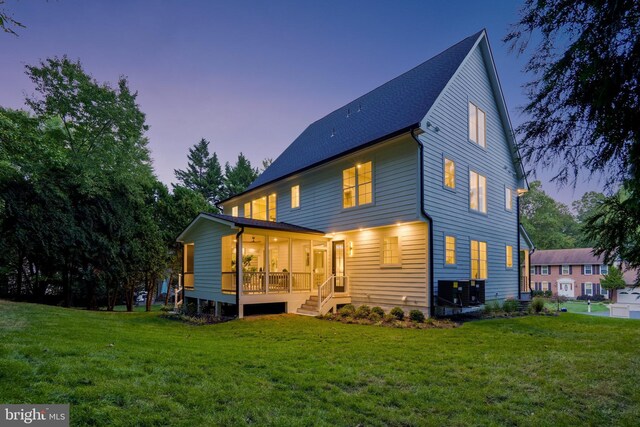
pixel 306 312
pixel 310 306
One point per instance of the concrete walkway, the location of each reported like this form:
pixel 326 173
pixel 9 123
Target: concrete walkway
pixel 632 314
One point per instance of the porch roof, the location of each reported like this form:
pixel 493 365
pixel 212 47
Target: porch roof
pixel 268 225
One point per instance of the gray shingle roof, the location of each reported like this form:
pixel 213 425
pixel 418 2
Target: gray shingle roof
pixel 268 225
pixel 576 256
pixel 392 108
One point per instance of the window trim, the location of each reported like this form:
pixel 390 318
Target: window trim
pixel 297 198
pixel 486 202
pixel 477 143
pixel 455 250
pixel 446 158
pixel 274 208
pixel 247 212
pixel 508 253
pixel 399 243
pixel 590 273
pixel 486 259
pixel 356 188
pixel 234 211
pixel 508 199
pixel 562 271
pixel 542 268
pixel 606 267
pixel 589 289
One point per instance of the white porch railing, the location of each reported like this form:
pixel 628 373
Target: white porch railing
pixel 259 282
pixel 326 291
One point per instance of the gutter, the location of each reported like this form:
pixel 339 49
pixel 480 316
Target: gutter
pixel 429 219
pixel 238 267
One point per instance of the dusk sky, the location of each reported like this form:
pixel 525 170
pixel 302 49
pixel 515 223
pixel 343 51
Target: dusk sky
pixel 251 75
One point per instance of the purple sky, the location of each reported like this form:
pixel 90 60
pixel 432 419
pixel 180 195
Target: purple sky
pixel 250 76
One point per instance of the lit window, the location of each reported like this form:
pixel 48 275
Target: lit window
pixel 247 210
pixel 588 288
pixel 566 270
pixel 259 208
pixel 359 177
pixel 509 256
pixel 477 124
pixel 545 286
pixel 295 196
pixel 477 192
pixel 234 211
pixel 272 207
pixel 508 199
pixel 588 269
pixel 449 173
pixel 544 269
pixel 604 269
pixel 450 249
pixel 390 251
pixel 478 260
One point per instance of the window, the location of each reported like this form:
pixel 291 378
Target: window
pixel 234 211
pixel 545 286
pixel 532 270
pixel 588 269
pixel 359 177
pixel 450 250
pixel 566 270
pixel 390 251
pixel 544 270
pixel 449 173
pixel 295 196
pixel 272 207
pixel 604 269
pixel 247 210
pixel 509 256
pixel 477 124
pixel 259 208
pixel 588 288
pixel 508 199
pixel 478 260
pixel 477 192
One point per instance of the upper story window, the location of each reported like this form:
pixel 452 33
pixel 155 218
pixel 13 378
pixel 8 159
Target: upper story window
pixel 234 211
pixel 259 208
pixel 272 207
pixel 390 251
pixel 247 210
pixel 295 196
pixel 544 269
pixel 477 192
pixel 449 173
pixel 508 199
pixel 532 270
pixel 263 208
pixel 604 269
pixel 588 269
pixel 450 250
pixel 566 270
pixel 478 260
pixel 357 185
pixel 509 256
pixel 477 125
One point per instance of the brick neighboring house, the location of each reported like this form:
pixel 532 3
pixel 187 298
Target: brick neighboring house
pixel 568 272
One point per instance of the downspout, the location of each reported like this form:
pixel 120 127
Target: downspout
pixel 429 219
pixel 184 303
pixel 238 267
pixel 519 264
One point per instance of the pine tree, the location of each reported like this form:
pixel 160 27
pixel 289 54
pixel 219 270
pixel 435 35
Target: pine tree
pixel 238 177
pixel 613 280
pixel 203 173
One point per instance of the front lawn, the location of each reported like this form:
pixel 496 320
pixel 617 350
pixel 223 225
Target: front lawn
pixel 579 306
pixel 141 369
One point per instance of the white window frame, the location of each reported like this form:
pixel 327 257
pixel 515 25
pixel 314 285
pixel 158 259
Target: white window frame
pixel 588 288
pixel 247 210
pixel 234 211
pixel 295 197
pixel 544 270
pixel 545 286
pixel 566 270
pixel 480 198
pixel 444 173
pixel 447 250
pixel 605 268
pixel 384 261
pixel 590 270
pixel 482 262
pixel 532 270
pixel 358 184
pixel 475 135
pixel 508 198
pixel 508 262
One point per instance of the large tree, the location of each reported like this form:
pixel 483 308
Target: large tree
pixel 203 173
pixel 238 177
pixel 585 208
pixel 7 23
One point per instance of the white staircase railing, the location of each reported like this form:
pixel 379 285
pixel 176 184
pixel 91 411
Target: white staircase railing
pixel 326 292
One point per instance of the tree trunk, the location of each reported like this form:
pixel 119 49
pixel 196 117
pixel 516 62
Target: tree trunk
pixel 128 294
pixel 19 276
pixel 166 298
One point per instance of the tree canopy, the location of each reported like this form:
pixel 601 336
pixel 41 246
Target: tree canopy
pixel 203 174
pixel 239 176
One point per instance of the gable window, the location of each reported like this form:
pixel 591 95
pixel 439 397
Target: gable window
pixel 604 270
pixel 247 210
pixel 234 211
pixel 588 270
pixel 565 270
pixel 259 208
pixel 509 256
pixel 390 251
pixel 272 207
pixel 544 269
pixel 295 196
pixel 450 250
pixel 508 199
pixel 478 260
pixel 449 173
pixel 357 185
pixel 477 125
pixel 477 192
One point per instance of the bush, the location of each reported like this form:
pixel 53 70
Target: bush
pixel 547 294
pixel 493 307
pixel 347 310
pixel 511 306
pixel 389 318
pixel 362 312
pixel 416 316
pixel 378 310
pixel 537 304
pixel 593 298
pixel 375 316
pixel 397 312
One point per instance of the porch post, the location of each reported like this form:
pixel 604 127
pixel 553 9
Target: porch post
pixel 239 266
pixel 267 263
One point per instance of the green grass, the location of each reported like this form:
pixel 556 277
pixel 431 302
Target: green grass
pixel 579 306
pixel 289 370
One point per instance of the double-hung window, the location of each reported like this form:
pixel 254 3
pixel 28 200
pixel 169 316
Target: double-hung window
pixel 295 197
pixel 450 250
pixel 477 192
pixel 449 173
pixel 478 259
pixel 544 270
pixel 588 270
pixel 234 211
pixel 509 256
pixel 604 270
pixel 508 199
pixel 390 251
pixel 477 125
pixel 357 185
pixel 566 270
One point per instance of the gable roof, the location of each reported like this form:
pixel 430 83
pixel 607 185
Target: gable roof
pixel 576 256
pixel 373 117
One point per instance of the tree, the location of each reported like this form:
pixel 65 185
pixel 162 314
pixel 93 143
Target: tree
pixel 238 177
pixel 266 163
pixel 549 223
pixel 584 209
pixel 203 173
pixel 613 280
pixel 6 21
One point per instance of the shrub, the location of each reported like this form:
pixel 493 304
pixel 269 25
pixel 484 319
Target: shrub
pixel 492 307
pixel 416 316
pixel 537 304
pixel 389 318
pixel 593 298
pixel 397 312
pixel 347 310
pixel 378 310
pixel 511 306
pixel 362 312
pixel 375 316
pixel 547 294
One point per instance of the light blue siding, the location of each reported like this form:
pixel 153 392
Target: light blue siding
pixel 450 209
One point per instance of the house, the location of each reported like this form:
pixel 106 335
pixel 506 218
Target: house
pixel 401 197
